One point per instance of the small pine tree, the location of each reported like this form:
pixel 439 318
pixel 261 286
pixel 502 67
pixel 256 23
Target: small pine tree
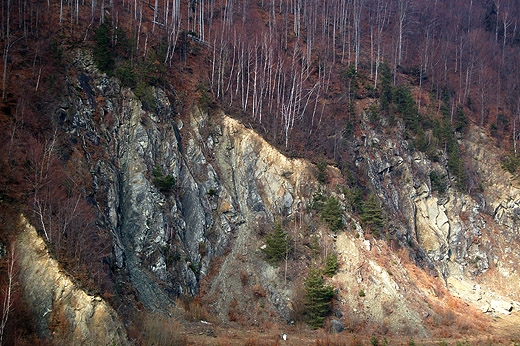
pixel 405 105
pixel 438 182
pixel 511 163
pixel 355 199
pixel 460 121
pixel 332 214
pixel 277 245
pixel 456 164
pixel 322 171
pixel 385 99
pixel 318 200
pixel 372 214
pixel 331 265
pixel 103 53
pixel 318 298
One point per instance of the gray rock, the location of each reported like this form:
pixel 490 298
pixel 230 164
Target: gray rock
pixel 336 326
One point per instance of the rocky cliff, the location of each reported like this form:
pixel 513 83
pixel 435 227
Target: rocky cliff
pixel 228 182
pixel 469 238
pixel 62 311
pixel 188 199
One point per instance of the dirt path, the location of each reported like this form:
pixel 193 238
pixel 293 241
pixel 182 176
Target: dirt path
pixel 504 331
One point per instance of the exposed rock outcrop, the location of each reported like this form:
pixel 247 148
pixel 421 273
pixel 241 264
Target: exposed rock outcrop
pixel 62 312
pixel 228 180
pixel 227 184
pixel 469 238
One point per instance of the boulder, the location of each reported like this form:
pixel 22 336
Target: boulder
pixel 501 307
pixel 336 326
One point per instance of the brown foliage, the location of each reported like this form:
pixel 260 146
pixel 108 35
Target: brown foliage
pixel 195 309
pixel 255 341
pixel 232 312
pixel 157 329
pixel 244 277
pixel 331 341
pixel 258 291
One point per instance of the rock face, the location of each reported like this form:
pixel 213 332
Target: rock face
pixel 468 238
pixel 75 317
pixel 227 186
pixel 159 232
pixel 227 181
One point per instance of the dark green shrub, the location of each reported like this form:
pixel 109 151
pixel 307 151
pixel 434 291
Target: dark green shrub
pixel 126 73
pixel 205 101
pixel 493 128
pixel 318 200
pixel 355 199
pixel 405 105
pixel 373 113
pixel 318 298
pixel 456 164
pixel 439 182
pixel 163 183
pixel 511 163
pixel 151 71
pixel 322 171
pixel 195 268
pixel 386 97
pixel 460 121
pixel 145 93
pixel 420 142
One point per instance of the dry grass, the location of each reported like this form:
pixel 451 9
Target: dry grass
pixel 272 337
pixel 454 319
pixel 195 309
pixel 331 341
pixel 255 341
pixel 158 330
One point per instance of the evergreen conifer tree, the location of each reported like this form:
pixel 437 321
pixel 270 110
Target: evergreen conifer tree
pixel 372 215
pixel 318 298
pixel 277 245
pixel 331 265
pixel 332 214
pixel 102 52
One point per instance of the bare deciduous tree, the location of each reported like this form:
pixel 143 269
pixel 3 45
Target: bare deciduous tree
pixel 7 303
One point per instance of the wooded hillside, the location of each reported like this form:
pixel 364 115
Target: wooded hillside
pixel 303 73
pixel 293 66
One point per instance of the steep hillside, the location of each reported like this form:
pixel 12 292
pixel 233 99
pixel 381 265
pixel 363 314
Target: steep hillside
pixel 202 234
pixel 55 300
pixel 226 168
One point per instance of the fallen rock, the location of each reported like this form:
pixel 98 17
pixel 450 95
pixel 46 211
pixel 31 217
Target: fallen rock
pixel 500 306
pixel 336 326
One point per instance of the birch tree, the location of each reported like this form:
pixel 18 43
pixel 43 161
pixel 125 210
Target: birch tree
pixel 402 8
pixel 7 302
pixel 173 27
pixel 7 45
pixel 382 19
pixel 357 12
